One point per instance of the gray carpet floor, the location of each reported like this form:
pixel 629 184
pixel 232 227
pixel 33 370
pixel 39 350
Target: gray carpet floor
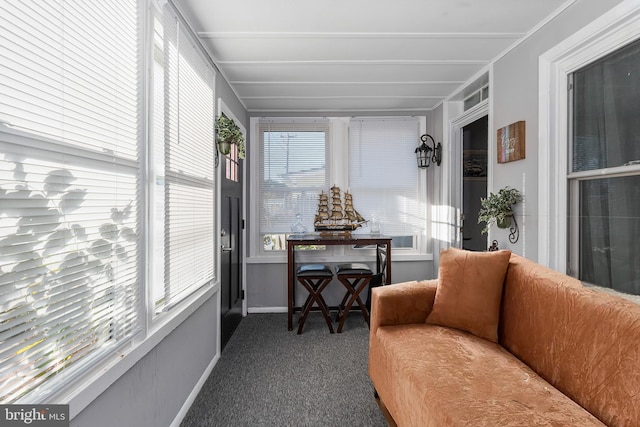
pixel 268 376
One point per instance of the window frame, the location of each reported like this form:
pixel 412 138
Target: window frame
pixel 338 174
pixel 613 30
pixel 157 326
pixel 172 175
pixel 51 150
pixel 256 249
pixel 83 387
pixel 419 242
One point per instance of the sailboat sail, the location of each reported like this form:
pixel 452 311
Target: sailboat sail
pixel 337 215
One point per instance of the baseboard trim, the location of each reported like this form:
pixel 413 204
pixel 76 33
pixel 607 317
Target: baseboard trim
pixel 266 310
pixel 194 393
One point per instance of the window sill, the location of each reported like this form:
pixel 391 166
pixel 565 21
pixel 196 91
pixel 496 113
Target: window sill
pixel 396 257
pixel 95 383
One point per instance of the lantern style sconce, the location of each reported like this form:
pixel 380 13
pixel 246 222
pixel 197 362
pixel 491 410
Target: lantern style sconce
pixel 426 154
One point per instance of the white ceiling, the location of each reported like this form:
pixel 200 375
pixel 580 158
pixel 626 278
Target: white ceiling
pixel 357 55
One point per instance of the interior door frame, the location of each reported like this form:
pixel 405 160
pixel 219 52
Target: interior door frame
pixel 224 108
pixel 455 140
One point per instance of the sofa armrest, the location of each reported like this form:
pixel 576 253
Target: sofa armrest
pixel 402 303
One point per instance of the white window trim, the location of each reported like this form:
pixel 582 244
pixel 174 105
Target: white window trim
pixel 455 179
pixel 419 251
pixel 255 253
pixel 611 31
pixel 93 384
pixel 338 131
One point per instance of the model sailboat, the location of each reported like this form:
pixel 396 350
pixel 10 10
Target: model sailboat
pixel 341 216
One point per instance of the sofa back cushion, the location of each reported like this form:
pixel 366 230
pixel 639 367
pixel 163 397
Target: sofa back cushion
pixel 585 343
pixel 469 291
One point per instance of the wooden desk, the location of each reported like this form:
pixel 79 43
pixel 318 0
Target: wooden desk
pixel 330 240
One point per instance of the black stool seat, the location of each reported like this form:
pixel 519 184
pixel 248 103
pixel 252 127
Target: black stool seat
pixel 355 277
pixel 314 270
pixel 315 278
pixel 353 268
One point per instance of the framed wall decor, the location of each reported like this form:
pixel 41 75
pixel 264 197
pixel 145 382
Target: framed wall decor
pixel 511 142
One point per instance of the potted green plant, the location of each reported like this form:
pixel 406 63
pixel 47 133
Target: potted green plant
pixel 497 208
pixel 227 133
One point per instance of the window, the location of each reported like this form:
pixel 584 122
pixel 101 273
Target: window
pixel 384 178
pixel 604 177
pixel 372 158
pixel 612 30
pixel 183 163
pixel 293 158
pixel 76 188
pixel 233 164
pixel 477 97
pixel 70 168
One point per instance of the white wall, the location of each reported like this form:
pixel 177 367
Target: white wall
pixel 267 284
pixel 437 194
pixel 515 97
pixel 153 391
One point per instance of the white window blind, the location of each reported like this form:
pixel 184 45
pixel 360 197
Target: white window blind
pixel 187 175
pixel 293 172
pixel 383 176
pixel 69 189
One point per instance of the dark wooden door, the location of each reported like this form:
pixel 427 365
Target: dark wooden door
pixel 231 245
pixel 475 164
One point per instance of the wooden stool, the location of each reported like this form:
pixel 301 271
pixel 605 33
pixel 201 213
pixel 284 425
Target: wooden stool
pixel 314 277
pixel 355 277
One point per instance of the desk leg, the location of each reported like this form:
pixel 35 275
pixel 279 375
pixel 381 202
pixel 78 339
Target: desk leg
pixel 387 261
pixel 290 279
pixel 388 275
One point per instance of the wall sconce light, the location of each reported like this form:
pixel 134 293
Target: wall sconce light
pixel 423 152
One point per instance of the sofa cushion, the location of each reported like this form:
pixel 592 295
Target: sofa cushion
pixel 470 289
pixel 436 376
pixel 585 343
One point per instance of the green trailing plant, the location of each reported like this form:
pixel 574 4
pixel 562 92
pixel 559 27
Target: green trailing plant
pixel 228 132
pixel 497 208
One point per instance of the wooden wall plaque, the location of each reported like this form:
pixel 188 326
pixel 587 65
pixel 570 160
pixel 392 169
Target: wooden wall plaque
pixel 511 142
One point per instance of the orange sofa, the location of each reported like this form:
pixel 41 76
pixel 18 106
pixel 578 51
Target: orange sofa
pixel 564 355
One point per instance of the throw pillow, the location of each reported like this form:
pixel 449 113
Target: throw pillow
pixel 469 291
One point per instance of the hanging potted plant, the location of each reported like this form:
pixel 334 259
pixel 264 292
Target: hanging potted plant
pixel 498 208
pixel 227 133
